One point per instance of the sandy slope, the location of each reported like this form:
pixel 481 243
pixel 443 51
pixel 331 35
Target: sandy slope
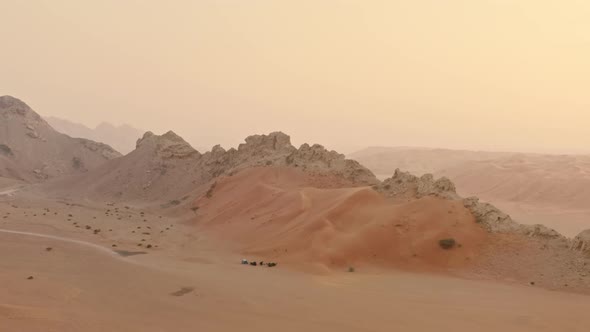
pixel 277 213
pixel 190 279
pixel 550 189
pixel 78 288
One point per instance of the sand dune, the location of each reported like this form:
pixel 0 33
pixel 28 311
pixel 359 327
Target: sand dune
pixel 78 294
pixel 273 213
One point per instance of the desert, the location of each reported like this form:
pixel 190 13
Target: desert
pixel 153 241
pixel 309 165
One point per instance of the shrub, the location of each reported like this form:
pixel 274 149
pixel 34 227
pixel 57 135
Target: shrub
pixel 77 163
pixel 5 150
pixel 209 193
pixel 173 202
pixel 350 269
pixel 447 243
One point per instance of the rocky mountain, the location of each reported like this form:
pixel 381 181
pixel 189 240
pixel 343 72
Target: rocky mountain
pixel 166 167
pixel 408 186
pixel 122 138
pixel 31 150
pixel 268 197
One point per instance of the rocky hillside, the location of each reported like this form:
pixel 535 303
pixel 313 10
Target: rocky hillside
pixel 405 186
pixel 31 150
pixel 166 168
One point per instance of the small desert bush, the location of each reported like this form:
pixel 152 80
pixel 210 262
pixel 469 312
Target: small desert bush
pixel 5 150
pixel 209 193
pixel 77 162
pixel 447 243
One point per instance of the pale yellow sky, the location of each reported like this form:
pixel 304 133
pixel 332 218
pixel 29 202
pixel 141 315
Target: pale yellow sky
pixel 487 74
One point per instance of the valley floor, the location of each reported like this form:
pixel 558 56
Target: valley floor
pixel 187 282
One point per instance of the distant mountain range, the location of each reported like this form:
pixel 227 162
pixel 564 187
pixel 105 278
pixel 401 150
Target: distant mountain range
pixel 122 138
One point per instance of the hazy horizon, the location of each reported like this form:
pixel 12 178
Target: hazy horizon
pixel 483 75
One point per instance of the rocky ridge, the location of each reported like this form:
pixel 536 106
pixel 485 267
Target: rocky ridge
pixel 406 185
pixel 582 242
pixel 166 167
pixel 31 150
pixel 274 149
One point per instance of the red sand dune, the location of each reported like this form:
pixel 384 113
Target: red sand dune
pixel 280 213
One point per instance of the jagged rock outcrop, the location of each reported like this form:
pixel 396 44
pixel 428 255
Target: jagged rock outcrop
pixel 167 146
pixel 276 149
pixel 166 166
pixel 409 185
pixel 406 185
pixel 496 221
pixel 489 216
pixel 261 146
pixel 316 158
pixel 32 151
pixel 582 242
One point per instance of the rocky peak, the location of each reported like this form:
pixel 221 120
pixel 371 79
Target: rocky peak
pixel 14 105
pixel 217 150
pixel 257 145
pixel 166 146
pixel 11 107
pixel 404 183
pixel 489 216
pixel 582 242
pixel 318 159
pixel 147 137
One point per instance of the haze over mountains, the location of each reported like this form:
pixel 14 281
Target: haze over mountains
pixel 534 188
pixel 122 138
pixel 94 235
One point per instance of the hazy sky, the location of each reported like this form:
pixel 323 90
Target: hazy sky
pixel 489 74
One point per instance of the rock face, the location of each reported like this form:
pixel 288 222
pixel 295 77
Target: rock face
pixel 490 217
pixel 276 149
pixel 32 151
pixel 316 158
pixel 408 186
pixel 166 167
pixel 497 221
pixel 167 146
pixel 582 242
